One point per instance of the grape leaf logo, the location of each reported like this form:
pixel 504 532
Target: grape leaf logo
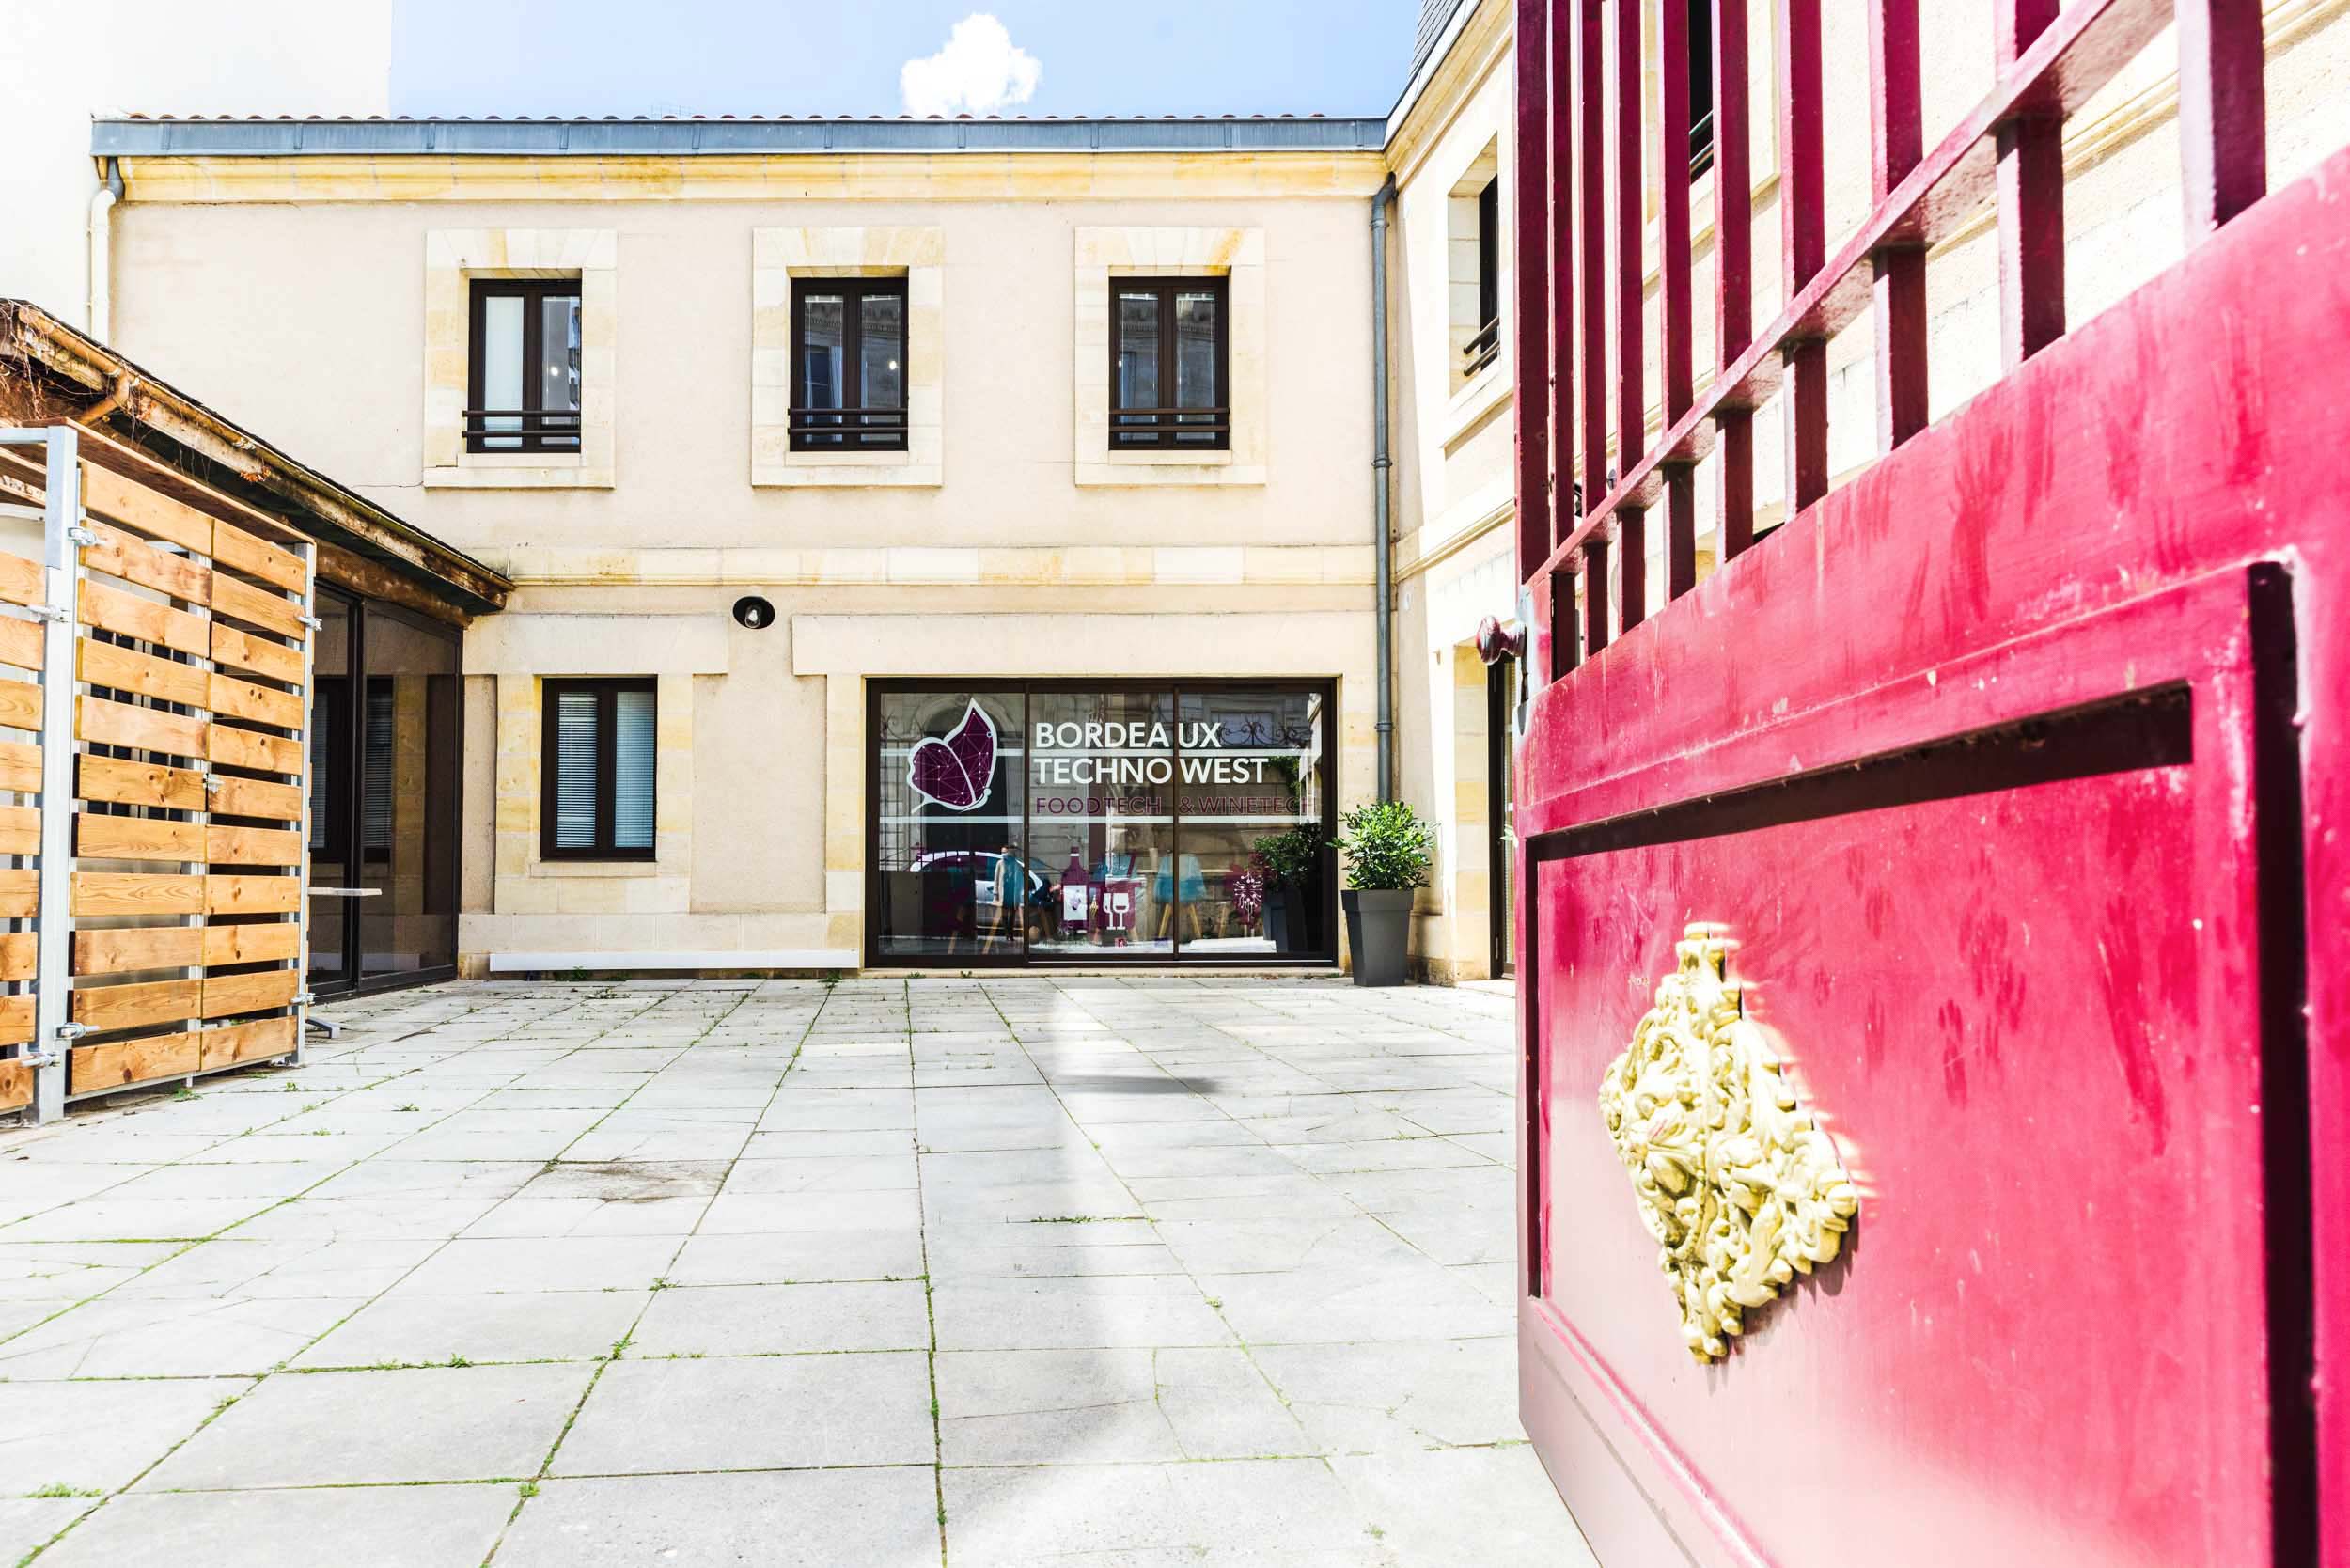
pixel 957 771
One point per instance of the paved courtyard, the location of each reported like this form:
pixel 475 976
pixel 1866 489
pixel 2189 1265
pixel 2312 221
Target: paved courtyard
pixel 1132 1272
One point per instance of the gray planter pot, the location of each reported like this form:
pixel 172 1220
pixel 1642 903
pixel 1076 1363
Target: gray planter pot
pixel 1379 933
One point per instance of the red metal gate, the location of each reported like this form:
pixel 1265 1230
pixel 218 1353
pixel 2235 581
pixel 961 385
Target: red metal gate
pixel 2010 773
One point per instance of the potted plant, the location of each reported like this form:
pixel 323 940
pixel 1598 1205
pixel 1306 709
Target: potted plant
pixel 1387 852
pixel 1292 863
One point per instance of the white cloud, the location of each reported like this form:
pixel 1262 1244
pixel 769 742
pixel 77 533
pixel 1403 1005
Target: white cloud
pixel 978 72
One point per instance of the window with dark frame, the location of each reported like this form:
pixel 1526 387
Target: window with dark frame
pixel 1170 353
pixel 848 364
pixel 1484 346
pixel 523 371
pixel 1700 33
pixel 596 770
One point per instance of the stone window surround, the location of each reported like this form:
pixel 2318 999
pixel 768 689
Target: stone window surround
pixel 1473 396
pixel 1236 255
pixel 453 258
pixel 780 255
pixel 521 652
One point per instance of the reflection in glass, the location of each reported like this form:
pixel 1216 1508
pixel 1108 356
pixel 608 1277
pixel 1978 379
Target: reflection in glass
pixel 1102 826
pixel 633 756
pixel 881 355
pixel 1253 869
pixel 408 806
pixel 502 363
pixel 1194 361
pixel 823 337
pixel 1091 825
pixel 558 370
pixel 1138 360
pixel 330 790
pixel 953 875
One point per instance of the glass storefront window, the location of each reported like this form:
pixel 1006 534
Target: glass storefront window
pixel 1100 818
pixel 949 860
pixel 1076 825
pixel 1253 806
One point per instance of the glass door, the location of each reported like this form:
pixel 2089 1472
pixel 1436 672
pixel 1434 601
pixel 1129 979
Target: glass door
pixel 407 719
pixel 333 925
pixel 386 710
pixel 1101 821
pixel 1251 869
pixel 951 876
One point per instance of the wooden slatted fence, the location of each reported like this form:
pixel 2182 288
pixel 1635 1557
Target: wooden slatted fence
pixel 159 662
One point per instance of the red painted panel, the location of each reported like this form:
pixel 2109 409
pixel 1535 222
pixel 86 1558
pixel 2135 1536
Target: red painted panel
pixel 2015 1010
pixel 2102 1394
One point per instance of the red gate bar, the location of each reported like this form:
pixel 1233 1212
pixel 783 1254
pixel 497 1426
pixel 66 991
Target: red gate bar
pixel 1803 240
pixel 1591 195
pixel 1676 354
pixel 2063 66
pixel 1533 207
pixel 1559 42
pixel 2222 111
pixel 1899 264
pixel 1733 279
pixel 2032 203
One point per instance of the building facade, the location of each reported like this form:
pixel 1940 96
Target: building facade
pixel 829 448
pixel 926 551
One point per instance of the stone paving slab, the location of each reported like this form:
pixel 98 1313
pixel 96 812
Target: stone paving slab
pixel 1132 1272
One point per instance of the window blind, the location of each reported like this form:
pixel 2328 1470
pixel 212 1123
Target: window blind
pixel 631 770
pixel 376 767
pixel 575 770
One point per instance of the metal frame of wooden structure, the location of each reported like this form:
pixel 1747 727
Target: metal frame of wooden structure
pixel 175 665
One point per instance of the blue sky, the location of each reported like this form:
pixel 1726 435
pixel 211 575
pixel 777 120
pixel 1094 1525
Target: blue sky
pixel 792 56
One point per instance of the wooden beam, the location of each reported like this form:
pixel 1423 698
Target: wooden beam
pixel 120 781
pixel 128 1062
pixel 126 1007
pixel 249 748
pixel 248 650
pixel 103 723
pixel 116 952
pixel 252 895
pixel 225 995
pixel 110 664
pixel 113 610
pixel 255 1041
pixel 252 846
pixel 256 797
pixel 97 837
pixel 259 942
pixel 132 893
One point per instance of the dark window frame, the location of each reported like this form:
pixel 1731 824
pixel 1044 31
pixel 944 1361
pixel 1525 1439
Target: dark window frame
pixel 873 430
pixel 541 431
pixel 1169 424
pixel 605 688
pixel 1484 344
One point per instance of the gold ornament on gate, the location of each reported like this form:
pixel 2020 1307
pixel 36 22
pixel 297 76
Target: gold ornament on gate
pixel 1734 1179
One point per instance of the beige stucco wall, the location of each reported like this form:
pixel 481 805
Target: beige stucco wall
pixel 310 318
pixel 1454 436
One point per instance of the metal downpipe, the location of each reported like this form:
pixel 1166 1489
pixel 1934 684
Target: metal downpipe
pixel 97 297
pixel 1383 548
